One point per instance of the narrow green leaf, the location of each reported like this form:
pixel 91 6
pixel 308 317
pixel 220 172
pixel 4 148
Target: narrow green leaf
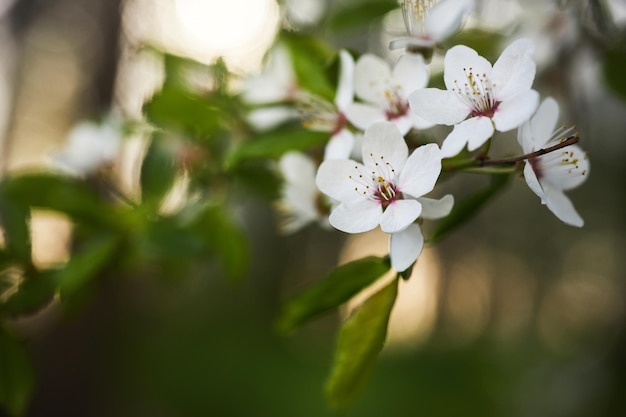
pixel 17 379
pixel 310 58
pixel 337 288
pixel 86 263
pixel 14 218
pixel 276 143
pixel 465 209
pixel 358 15
pixel 158 171
pixel 614 70
pixel 361 339
pixel 67 195
pixel 34 293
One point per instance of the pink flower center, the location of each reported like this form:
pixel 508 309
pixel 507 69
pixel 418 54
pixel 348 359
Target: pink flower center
pixel 397 105
pixel 379 184
pixel 477 92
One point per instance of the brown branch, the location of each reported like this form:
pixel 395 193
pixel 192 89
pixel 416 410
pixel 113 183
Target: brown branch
pixel 511 161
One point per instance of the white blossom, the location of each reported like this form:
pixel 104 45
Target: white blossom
pixel 480 98
pixel 429 22
pixel 385 92
pixel 551 174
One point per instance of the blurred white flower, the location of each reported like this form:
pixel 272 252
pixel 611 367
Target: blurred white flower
pixel 480 98
pixel 275 84
pixel 89 147
pixel 429 22
pixel 318 114
pixel 301 202
pixel 550 174
pixel 385 92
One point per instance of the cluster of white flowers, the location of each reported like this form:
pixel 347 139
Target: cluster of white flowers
pixel 376 105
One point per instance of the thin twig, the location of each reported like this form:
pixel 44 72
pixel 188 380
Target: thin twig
pixel 511 161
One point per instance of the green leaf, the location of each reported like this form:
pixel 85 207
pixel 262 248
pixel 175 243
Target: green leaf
pixel 33 294
pixel 361 339
pixel 158 170
pixel 337 288
pixel 467 208
pixel 614 70
pixel 17 379
pixel 224 240
pixel 14 218
pixel 487 43
pixel 174 107
pixel 67 195
pixel 311 58
pixel 86 263
pixel 274 144
pixel 359 14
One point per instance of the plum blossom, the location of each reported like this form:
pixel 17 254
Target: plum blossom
pixel 385 92
pixel 550 174
pixel 429 22
pixel 480 98
pixel 318 114
pixel 274 85
pixel 89 147
pixel 385 190
pixel 301 202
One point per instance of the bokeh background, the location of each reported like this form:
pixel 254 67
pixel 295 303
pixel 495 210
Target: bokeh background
pixel 515 314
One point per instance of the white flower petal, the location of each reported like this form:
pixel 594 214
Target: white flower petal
pixel 345 87
pixel 475 129
pixel 543 123
pixel 436 209
pixel 421 171
pixel 340 145
pixel 267 118
pixel 405 42
pixel 399 214
pixel 363 115
pixel 333 179
pixel 512 113
pixel 446 17
pixel 297 168
pixel 441 107
pixel 356 218
pixel 383 143
pixel 565 175
pixel 411 73
pixel 562 207
pixel 479 129
pixel 275 83
pixel 458 62
pixel 371 78
pixel 405 247
pixel 514 72
pixel 532 181
pixel 418 122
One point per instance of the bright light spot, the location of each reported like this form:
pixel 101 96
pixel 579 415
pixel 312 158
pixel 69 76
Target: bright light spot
pixel 223 25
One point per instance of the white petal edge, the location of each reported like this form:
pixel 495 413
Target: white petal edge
pixel 562 207
pixel 340 145
pixel 333 179
pixel 457 63
pixel 543 122
pixel 371 78
pixel 446 17
pixel 421 171
pixel 384 142
pixel 364 115
pixel 441 107
pixel 433 209
pixel 405 247
pixel 399 215
pixel 514 71
pixel 512 113
pixel 345 86
pixel 356 218
pixel 411 73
